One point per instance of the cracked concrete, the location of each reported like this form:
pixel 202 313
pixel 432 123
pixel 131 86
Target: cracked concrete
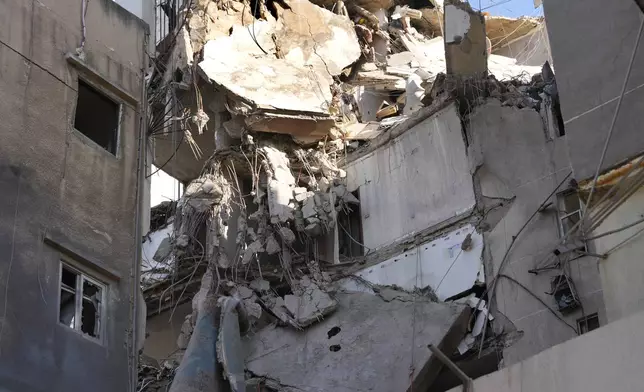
pixel 377 345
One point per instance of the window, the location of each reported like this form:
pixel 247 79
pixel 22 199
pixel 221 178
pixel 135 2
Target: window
pixel 588 323
pixel 97 117
pixel 350 222
pixel 564 294
pixel 569 211
pixel 81 302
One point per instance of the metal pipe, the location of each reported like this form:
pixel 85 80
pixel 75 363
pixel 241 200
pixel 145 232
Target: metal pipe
pixel 468 385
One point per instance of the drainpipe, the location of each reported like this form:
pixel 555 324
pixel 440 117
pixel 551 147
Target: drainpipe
pixel 140 205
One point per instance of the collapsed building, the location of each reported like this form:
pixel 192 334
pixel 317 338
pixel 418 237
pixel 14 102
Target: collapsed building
pixel 351 197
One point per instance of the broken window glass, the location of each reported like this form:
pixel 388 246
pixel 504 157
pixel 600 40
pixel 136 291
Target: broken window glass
pixel 80 302
pixel 67 309
pixel 90 308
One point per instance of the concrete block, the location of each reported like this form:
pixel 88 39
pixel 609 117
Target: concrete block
pixel 311 306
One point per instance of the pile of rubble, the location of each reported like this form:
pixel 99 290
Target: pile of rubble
pixel 317 70
pixel 297 85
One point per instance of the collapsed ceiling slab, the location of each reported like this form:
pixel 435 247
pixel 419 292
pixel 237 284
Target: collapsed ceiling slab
pixel 283 68
pixel 263 82
pixel 502 30
pixel 368 344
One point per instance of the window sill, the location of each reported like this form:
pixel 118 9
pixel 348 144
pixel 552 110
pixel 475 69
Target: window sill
pixel 95 265
pixel 101 79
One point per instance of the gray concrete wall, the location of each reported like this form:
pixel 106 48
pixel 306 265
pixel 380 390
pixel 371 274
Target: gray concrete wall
pixel 57 184
pixel 591 43
pixel 419 180
pixel 163 330
pixel 517 159
pixel 622 273
pixel 607 359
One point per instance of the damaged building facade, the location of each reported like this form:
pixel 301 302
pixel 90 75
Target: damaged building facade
pixel 366 179
pixel 72 103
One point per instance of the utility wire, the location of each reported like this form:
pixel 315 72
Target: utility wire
pixel 615 115
pixel 169 159
pixel 527 290
pixel 637 222
pixel 611 250
pixel 492 288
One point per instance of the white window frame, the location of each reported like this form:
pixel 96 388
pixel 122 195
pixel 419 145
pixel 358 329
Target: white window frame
pixel 562 215
pixel 78 305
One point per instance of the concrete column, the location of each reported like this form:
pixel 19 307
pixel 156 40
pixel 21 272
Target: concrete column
pixel 465 40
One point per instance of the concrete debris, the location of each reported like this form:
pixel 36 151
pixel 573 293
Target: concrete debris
pixel 229 344
pixel 254 248
pixel 280 185
pixel 287 235
pixel 308 35
pixel 286 92
pixel 370 352
pixel 272 246
pixel 310 306
pixel 260 285
pixel 152 377
pixel 203 192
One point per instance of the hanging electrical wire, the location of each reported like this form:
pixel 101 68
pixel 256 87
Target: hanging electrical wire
pixel 492 288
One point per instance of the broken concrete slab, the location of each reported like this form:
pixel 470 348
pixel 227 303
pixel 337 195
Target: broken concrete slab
pixel 308 35
pixel 207 21
pixel 229 344
pixel 380 346
pixel 265 82
pixel 280 185
pixel 305 128
pixel 503 30
pixel 360 131
pixel 279 73
pixel 311 306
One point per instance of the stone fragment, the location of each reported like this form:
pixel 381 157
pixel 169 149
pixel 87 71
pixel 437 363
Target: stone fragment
pixel 287 235
pixel 311 306
pixel 313 229
pixel 260 285
pixel 324 184
pixel 272 246
pixel 253 248
pixel 308 209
